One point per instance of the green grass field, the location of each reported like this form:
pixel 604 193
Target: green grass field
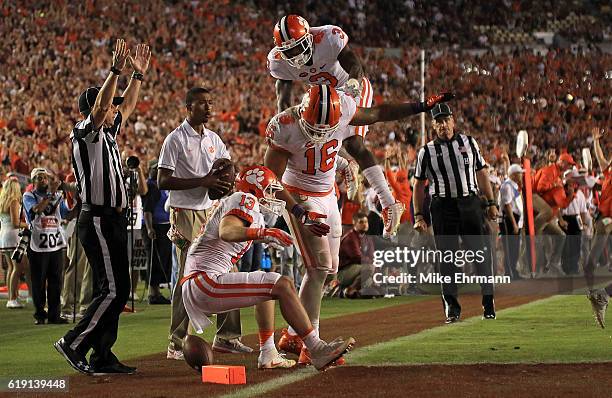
pixel 559 329
pixel 27 349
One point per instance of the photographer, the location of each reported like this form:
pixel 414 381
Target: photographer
pixel 45 209
pixel 136 187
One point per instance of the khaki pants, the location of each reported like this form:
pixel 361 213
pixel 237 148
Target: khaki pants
pixel 348 275
pixel 189 223
pixel 83 286
pixel 545 213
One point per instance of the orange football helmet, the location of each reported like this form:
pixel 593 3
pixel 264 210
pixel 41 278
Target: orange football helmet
pixel 262 182
pixel 293 32
pixel 320 113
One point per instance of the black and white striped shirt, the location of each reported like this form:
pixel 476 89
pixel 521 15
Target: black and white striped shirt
pixel 97 163
pixel 450 166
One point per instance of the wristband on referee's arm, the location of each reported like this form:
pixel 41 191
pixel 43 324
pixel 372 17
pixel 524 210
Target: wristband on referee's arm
pixel 115 70
pixel 491 203
pixel 417 214
pixel 137 76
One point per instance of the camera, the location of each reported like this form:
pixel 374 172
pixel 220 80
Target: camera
pixel 132 162
pixel 22 247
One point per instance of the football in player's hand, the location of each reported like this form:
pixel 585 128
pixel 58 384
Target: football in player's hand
pixel 224 169
pixel 197 352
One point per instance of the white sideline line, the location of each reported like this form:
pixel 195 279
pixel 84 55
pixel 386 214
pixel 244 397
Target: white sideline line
pixel 273 384
pixel 302 374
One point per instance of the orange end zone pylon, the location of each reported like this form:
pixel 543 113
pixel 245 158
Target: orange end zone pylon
pixel 529 205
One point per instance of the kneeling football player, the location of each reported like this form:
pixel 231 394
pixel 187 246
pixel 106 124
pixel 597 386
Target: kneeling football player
pixel 210 288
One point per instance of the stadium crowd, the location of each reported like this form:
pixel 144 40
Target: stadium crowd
pixel 223 45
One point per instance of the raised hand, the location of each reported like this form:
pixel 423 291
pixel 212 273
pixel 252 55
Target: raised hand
pixel 120 55
pixel 597 133
pixel 434 100
pixel 140 62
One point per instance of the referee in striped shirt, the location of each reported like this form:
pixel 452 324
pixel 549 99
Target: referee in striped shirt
pixel 456 172
pixel 102 224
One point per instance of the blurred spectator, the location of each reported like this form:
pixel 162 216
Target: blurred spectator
pixel 45 209
pixel 10 223
pixel 157 221
pixel 356 253
pixel 78 276
pixel 574 215
pixel 510 202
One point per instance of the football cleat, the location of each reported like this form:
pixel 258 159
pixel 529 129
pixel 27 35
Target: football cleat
pixel 391 218
pixel 329 354
pixel 290 343
pixel 271 359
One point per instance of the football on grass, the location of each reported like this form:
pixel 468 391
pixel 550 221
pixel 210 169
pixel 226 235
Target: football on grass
pixel 224 169
pixel 197 352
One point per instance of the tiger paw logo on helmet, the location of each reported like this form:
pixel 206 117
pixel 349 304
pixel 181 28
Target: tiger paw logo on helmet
pixel 255 177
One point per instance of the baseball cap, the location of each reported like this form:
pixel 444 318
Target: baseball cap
pixel 37 171
pixel 441 110
pixel 87 99
pixel 567 157
pixel 515 168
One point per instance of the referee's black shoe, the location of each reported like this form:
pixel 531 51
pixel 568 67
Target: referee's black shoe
pixel 452 319
pixel 76 360
pixel 488 305
pixel 113 369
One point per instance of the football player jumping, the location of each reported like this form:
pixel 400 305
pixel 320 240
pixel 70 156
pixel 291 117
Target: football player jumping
pixel 210 288
pixel 319 55
pixel 303 144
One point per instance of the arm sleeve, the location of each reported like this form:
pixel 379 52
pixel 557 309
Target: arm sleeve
pixel 478 159
pixel 242 205
pixel 64 209
pixel 29 201
pixel 117 124
pixel 505 194
pixel 547 180
pixel 274 136
pixel 169 153
pixel 84 130
pixel 149 201
pixel 421 166
pixel 337 40
pixel 277 66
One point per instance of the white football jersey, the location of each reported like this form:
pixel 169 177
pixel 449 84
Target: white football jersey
pixel 328 41
pixel 311 167
pixel 208 252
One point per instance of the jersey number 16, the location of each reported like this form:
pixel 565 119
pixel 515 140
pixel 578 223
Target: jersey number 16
pixel 328 157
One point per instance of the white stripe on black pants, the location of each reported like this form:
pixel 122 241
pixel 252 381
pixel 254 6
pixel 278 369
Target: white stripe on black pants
pixel 460 217
pixel 104 239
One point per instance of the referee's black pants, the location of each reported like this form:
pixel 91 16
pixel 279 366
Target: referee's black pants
pixel 104 239
pixel 451 219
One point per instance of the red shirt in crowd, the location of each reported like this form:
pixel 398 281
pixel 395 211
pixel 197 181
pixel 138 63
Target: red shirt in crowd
pixel 348 209
pixel 356 248
pixel 605 201
pixel 401 189
pixel 547 181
